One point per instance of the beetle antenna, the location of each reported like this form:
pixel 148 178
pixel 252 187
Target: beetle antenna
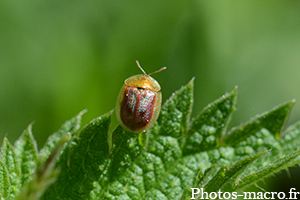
pixel 161 69
pixel 138 64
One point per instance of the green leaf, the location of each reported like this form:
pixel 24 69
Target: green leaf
pixel 143 139
pixel 208 127
pixel 10 159
pixel 273 120
pixel 164 163
pixel 70 126
pixel 281 164
pixel 175 113
pixel 125 151
pixel 45 174
pixel 83 162
pixel 290 140
pixel 143 173
pixel 26 151
pixel 203 177
pixel 226 179
pixel 4 181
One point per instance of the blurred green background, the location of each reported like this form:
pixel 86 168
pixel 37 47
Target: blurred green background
pixel 60 57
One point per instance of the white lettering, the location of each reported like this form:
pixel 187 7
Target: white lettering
pixel 215 195
pixel 265 195
pixel 198 193
pixel 234 195
pixel 250 197
pixel 273 193
pixel 194 193
pixel 225 193
pixel 281 197
pixel 260 195
pixel 220 194
pixel 293 193
pixel 202 193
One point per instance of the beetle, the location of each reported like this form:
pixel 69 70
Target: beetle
pixel 139 102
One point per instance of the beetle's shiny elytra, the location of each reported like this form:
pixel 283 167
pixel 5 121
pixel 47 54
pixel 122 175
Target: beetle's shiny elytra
pixel 139 102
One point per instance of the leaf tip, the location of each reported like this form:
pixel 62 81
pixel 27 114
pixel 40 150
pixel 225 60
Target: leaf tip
pixel 293 101
pixel 29 127
pixel 82 112
pixel 5 140
pixel 235 89
pixel 191 82
pixel 193 78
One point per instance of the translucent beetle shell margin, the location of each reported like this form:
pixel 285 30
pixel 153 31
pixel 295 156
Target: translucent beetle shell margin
pixel 139 102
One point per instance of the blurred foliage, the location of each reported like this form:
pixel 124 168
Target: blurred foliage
pixel 60 57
